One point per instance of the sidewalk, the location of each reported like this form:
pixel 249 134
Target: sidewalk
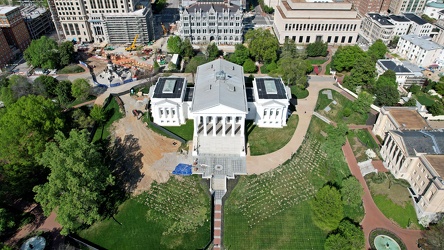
pixel 374 218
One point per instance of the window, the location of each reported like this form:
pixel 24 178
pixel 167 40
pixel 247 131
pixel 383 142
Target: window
pixel 336 39
pixel 301 38
pixel 307 39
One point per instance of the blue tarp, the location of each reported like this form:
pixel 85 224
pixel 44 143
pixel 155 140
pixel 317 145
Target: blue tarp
pixel 182 169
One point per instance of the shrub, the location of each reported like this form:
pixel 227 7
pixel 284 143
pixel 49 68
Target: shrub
pixel 347 112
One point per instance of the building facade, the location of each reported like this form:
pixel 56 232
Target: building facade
pixel 405 75
pixel 416 156
pixel 370 6
pixel 375 26
pixel 418 26
pixel 6 54
pixel 434 9
pixel 104 20
pixel 306 22
pixel 38 20
pixel 206 21
pixel 406 6
pixel 419 50
pixel 14 28
pixel 402 25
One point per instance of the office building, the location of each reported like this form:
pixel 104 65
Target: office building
pixel 38 20
pixel 406 6
pixel 14 28
pixel 419 50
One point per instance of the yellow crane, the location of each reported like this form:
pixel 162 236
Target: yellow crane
pixel 133 45
pixel 165 31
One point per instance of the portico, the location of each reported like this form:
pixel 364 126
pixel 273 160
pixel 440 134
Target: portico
pixel 223 125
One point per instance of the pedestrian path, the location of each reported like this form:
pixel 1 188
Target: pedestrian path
pixel 374 218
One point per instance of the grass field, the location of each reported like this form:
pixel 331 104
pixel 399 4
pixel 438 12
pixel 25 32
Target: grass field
pixel 393 199
pixel 271 210
pixel 113 114
pixel 185 131
pixel 424 100
pixel 266 140
pixel 336 113
pixel 70 69
pixel 327 69
pixel 174 215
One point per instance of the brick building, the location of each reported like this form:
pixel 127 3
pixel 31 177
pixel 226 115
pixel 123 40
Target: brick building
pixel 14 28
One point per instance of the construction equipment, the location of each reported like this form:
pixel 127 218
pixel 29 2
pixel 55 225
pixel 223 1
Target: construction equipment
pixel 165 31
pixel 133 45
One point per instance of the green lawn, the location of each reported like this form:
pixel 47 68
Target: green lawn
pixel 70 69
pixel 271 210
pixel 317 61
pixel 424 99
pixel 393 199
pixel 298 92
pixel 266 140
pixel 336 113
pixel 77 101
pixel 185 131
pixel 173 215
pixel 113 113
pixel 361 140
pixel 327 69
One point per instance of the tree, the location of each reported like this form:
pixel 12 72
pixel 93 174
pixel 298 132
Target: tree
pixel 174 45
pixel 410 103
pixel 81 120
pixel 98 114
pixel 352 192
pixel 5 221
pixel 394 42
pixel 433 236
pixel 49 83
pixel 20 86
pixel 25 128
pixel 415 88
pixel 213 51
pixel 345 57
pixel 437 108
pixel 317 48
pixel 347 237
pixel 240 55
pixel 4 81
pixel 7 96
pixel 249 66
pixel 362 103
pixel 428 19
pixel 293 71
pixel 326 208
pixel 63 92
pixel 43 53
pixel 80 88
pixel 66 50
pixel 156 65
pixel 377 50
pixel 262 44
pixel 362 75
pixel 289 49
pixel 386 93
pixel 439 87
pixel 187 49
pixel 389 74
pixel 76 184
pixel 194 63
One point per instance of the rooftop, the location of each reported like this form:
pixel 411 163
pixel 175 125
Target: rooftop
pixel 270 88
pixel 169 87
pixel 407 118
pixel 219 83
pixel 415 18
pixel 32 11
pixel 437 162
pixel 422 42
pixel 392 65
pixel 430 142
pixel 398 18
pixel 218 6
pixel 437 4
pixel 383 20
pixel 6 9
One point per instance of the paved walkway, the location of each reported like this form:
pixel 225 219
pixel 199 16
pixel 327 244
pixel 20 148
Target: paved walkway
pixel 374 218
pixel 304 109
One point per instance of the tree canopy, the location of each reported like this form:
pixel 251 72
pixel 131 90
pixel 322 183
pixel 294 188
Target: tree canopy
pixel 49 83
pixel 362 103
pixel 293 71
pixel 66 50
pixel 317 48
pixel 362 75
pixel 174 44
pixel 346 56
pixel 386 90
pixel 80 88
pixel 63 92
pixel 249 66
pixel 25 128
pixel 213 52
pixel 76 184
pixel 187 49
pixel 433 237
pixel 262 44
pixel 348 237
pixel 377 50
pixel 352 192
pixel 43 53
pixel 240 55
pixel 326 208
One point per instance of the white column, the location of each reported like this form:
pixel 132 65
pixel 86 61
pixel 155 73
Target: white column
pixel 196 124
pixel 233 125
pixel 242 128
pixel 205 125
pixel 224 119
pixel 214 125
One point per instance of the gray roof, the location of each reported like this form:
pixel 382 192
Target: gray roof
pixel 218 7
pixel 422 42
pixel 399 18
pixel 415 18
pixel 383 20
pixel 412 67
pixel 219 82
pixel 430 142
pixel 270 88
pixel 169 87
pixel 391 65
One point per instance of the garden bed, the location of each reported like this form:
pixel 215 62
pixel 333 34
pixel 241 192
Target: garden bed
pixel 361 140
pixel 71 69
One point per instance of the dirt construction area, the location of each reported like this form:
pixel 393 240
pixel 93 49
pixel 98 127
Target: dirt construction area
pixel 144 155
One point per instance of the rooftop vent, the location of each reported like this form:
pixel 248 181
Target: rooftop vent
pixel 221 75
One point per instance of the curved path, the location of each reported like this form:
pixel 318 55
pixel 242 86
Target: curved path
pixel 374 218
pixel 304 109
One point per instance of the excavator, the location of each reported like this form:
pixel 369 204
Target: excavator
pixel 133 45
